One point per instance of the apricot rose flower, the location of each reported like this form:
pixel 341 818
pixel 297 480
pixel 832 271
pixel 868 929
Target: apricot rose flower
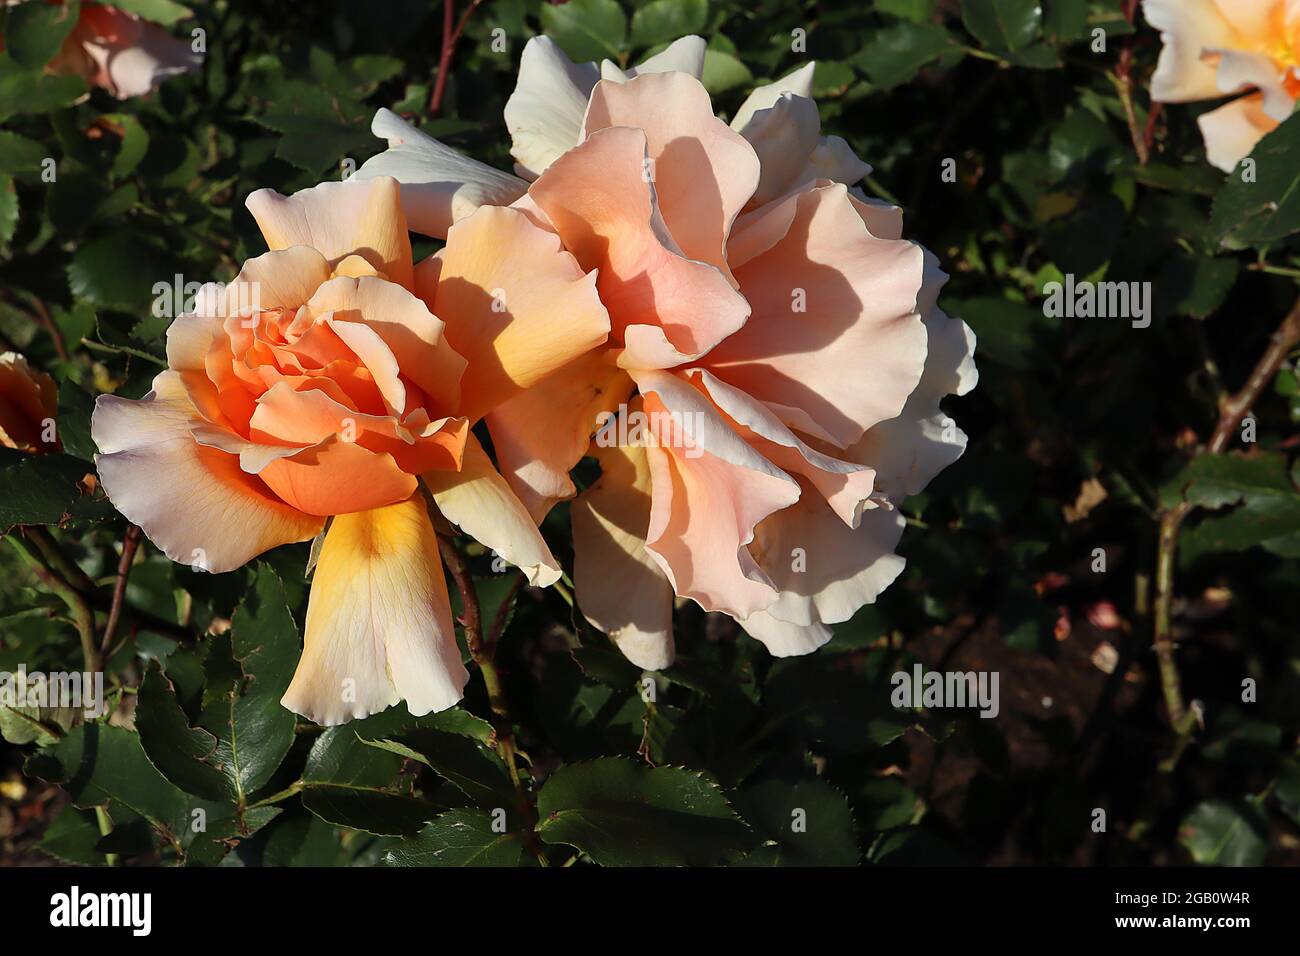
pixel 319 391
pixel 769 323
pixel 28 406
pixel 122 52
pixel 1215 48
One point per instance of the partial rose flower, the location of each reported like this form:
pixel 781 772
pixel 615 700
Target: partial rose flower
pixel 776 347
pixel 29 402
pixel 328 389
pixel 122 52
pixel 1215 48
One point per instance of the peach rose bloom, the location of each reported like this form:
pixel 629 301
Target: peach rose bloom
pixel 768 321
pixel 329 387
pixel 29 403
pixel 122 53
pixel 1215 48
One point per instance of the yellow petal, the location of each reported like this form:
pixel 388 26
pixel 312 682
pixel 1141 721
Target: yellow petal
pixel 478 501
pixel 379 625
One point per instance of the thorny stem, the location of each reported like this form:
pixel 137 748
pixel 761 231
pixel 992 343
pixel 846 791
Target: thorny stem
pixel 1232 408
pixel 484 656
pixel 130 543
pixel 450 35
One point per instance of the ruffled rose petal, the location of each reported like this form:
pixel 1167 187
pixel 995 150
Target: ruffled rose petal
pixel 478 501
pixel 847 486
pixel 856 351
pixel 357 217
pixel 517 305
pixel 1234 130
pixel 683 55
pixel 710 489
pixel 618 584
pixel 439 185
pixel 784 136
pixel 907 452
pixel 414 335
pixel 1187 29
pixel 1240 70
pixel 703 172
pixel 544 113
pixel 824 570
pixel 666 308
pixel 379 627
pixel 798 81
pixel 543 432
pixel 193 501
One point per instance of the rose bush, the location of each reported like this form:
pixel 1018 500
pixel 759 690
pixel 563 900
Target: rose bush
pixel 612 325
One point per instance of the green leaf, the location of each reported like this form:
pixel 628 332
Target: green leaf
pixel 723 71
pixel 102 765
pixel 662 21
pixel 118 272
pixel 807 823
pixel 461 837
pixel 1194 285
pixel 621 813
pixel 24 92
pixel 72 836
pixel 918 11
pixel 586 29
pixel 1268 209
pixel 135 143
pixel 1065 20
pixel 18 154
pixel 350 783
pixel 1003 25
pixel 464 761
pixel 184 755
pixel 893 56
pixel 164 12
pixel 1218 833
pixel 34 32
pixel 44 489
pixel 1213 481
pixel 374 811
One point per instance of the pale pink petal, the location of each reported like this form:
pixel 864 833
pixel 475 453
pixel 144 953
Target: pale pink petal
pixel 617 583
pixel 846 485
pixel 798 81
pixel 544 113
pixel 439 185
pixel 710 489
pixel 1233 131
pixel 703 171
pixel 683 55
pixel 908 451
pixel 1187 29
pixel 784 136
pixel 835 343
pixel 665 308
pixel 825 571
